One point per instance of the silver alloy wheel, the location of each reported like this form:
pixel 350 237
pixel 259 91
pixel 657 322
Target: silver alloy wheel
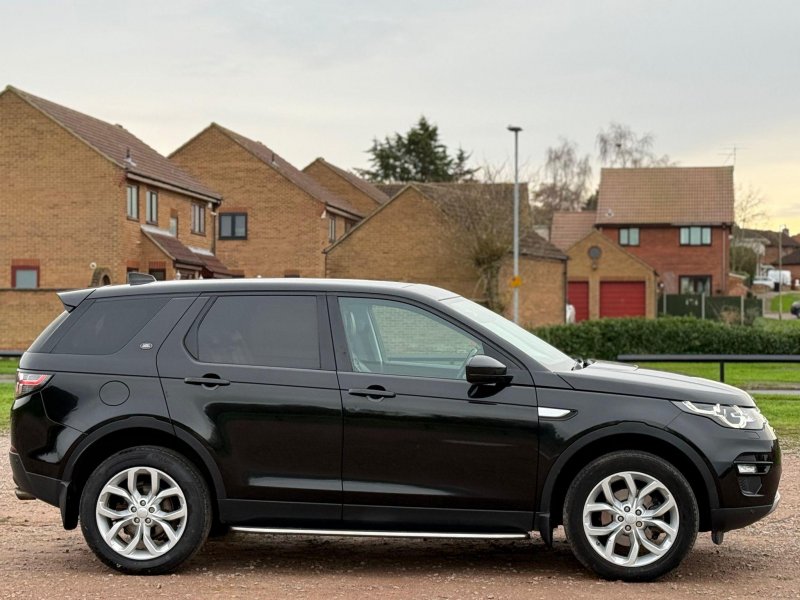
pixel 141 513
pixel 631 519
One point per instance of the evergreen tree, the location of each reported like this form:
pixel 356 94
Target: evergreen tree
pixel 416 156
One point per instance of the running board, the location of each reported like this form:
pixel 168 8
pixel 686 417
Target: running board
pixel 400 534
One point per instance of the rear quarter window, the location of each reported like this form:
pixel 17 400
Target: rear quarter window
pixel 107 325
pixel 47 332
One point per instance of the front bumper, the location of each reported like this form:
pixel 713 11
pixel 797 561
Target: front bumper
pixel 726 519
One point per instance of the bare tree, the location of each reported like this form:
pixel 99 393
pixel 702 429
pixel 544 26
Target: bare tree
pixel 620 146
pixel 564 183
pixel 749 209
pixel 482 216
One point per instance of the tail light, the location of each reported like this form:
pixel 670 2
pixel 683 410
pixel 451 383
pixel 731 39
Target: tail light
pixel 28 382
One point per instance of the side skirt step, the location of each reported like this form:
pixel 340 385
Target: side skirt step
pixel 400 534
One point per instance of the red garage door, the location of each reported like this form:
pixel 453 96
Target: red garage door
pixel 578 296
pixel 622 299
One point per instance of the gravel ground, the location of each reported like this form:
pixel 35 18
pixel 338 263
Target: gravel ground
pixel 38 559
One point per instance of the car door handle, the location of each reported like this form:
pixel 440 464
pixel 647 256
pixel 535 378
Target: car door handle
pixel 206 381
pixel 371 393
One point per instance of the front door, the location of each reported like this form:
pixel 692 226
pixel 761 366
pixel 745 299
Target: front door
pixel 423 449
pixel 251 377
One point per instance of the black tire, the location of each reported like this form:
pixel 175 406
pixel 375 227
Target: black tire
pixel 631 461
pixel 198 519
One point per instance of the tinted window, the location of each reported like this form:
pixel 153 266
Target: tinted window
pixel 267 331
pixel 108 325
pixel 395 338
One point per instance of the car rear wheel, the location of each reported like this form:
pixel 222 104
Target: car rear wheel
pixel 145 511
pixel 631 516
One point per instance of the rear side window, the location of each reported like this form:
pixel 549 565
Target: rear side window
pixel 107 325
pixel 266 331
pixel 41 340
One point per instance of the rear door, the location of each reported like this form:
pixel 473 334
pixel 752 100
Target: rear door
pixel 251 376
pixel 424 449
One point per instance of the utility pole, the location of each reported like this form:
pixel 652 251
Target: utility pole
pixel 515 282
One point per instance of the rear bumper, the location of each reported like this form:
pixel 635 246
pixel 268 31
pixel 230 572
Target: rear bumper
pixel 44 488
pixel 726 519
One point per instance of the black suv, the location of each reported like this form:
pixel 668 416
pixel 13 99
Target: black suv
pixel 156 413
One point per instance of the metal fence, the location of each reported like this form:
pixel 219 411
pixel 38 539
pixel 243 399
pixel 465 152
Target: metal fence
pixel 721 359
pixel 730 309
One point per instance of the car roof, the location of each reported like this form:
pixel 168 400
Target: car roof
pixel 288 284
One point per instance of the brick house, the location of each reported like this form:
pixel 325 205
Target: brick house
pixel 677 219
pixel 768 245
pixel 276 220
pixel 85 201
pixel 413 238
pixel 605 280
pixel 362 195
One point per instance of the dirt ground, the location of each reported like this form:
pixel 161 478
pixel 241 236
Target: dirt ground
pixel 38 559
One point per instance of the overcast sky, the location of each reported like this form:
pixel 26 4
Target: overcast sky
pixel 323 78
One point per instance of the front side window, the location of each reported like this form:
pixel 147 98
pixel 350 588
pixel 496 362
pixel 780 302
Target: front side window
pixel 629 236
pixel 151 212
pixel 198 218
pixel 26 278
pixel 233 226
pixel 695 236
pixel 394 338
pixel 133 202
pixel 265 331
pixel 695 285
pixel 173 226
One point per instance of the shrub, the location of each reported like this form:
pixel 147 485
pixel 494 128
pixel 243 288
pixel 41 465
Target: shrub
pixel 607 338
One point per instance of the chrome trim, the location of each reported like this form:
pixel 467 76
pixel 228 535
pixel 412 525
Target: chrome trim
pixel 552 413
pixel 401 534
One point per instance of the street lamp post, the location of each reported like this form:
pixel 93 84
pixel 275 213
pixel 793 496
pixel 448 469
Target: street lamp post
pixel 516 282
pixel 780 271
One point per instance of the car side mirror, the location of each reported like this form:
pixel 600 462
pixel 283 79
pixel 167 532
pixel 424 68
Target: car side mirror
pixel 482 369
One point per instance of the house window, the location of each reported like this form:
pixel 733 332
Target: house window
pixel 151 212
pixel 629 236
pixel 695 285
pixel 133 202
pixel 159 274
pixel 332 229
pixel 24 278
pixel 233 226
pixel 198 218
pixel 695 236
pixel 173 226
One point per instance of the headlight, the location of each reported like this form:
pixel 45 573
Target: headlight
pixel 735 417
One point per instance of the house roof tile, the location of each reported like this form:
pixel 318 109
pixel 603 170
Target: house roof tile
pixel 666 195
pixel 364 186
pixel 570 227
pixel 305 182
pixel 115 143
pixel 171 246
pixel 773 238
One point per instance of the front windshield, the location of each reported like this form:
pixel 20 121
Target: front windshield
pixel 524 340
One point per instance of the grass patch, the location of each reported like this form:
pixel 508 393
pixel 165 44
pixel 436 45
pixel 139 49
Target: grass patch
pixel 783 413
pixel 8 366
pixel 6 399
pixel 786 301
pixel 788 323
pixel 752 376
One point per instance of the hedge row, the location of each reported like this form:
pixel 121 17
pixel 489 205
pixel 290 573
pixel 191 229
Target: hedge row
pixel 607 338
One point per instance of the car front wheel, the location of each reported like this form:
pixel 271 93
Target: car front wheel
pixel 145 511
pixel 631 516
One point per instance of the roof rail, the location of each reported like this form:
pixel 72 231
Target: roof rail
pixel 135 278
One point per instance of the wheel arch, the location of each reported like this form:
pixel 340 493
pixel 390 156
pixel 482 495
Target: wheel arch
pixel 629 436
pixel 128 433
